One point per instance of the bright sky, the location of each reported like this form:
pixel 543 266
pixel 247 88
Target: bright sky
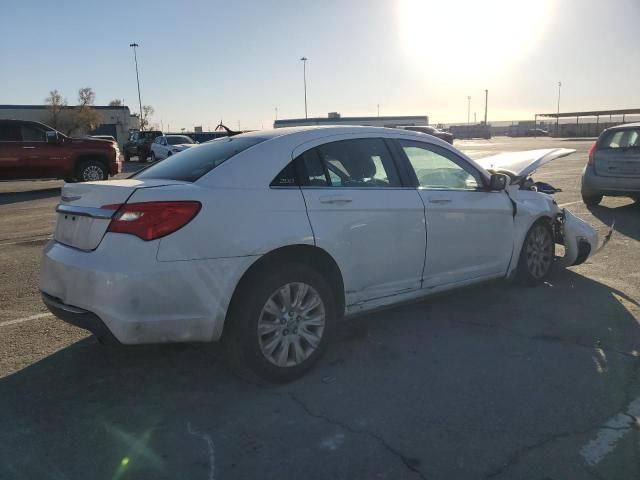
pixel 203 60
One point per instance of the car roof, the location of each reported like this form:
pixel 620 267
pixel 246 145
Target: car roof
pixel 324 130
pixel 625 125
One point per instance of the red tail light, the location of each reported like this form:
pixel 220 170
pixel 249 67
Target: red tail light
pixel 592 150
pixel 151 220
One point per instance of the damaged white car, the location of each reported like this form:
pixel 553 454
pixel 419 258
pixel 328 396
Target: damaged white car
pixel 265 239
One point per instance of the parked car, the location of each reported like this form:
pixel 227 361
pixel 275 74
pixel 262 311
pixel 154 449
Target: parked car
pixel 139 144
pixel 166 145
pixel 613 168
pixel 536 132
pixel 264 240
pixel 35 150
pixel 446 136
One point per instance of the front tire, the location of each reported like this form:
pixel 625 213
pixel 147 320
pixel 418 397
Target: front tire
pixel 280 323
pixel 536 256
pixel 92 171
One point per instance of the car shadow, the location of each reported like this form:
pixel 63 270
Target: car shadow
pixel 626 218
pixel 8 198
pixel 476 372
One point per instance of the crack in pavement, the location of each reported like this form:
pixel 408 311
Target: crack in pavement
pixel 548 338
pixel 409 463
pixel 521 452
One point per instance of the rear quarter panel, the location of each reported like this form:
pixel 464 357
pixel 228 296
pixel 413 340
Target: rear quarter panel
pixel 233 222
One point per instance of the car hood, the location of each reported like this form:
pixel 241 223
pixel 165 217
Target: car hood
pixel 522 164
pixel 182 146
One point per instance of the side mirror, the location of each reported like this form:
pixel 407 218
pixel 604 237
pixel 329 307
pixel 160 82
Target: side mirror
pixel 53 137
pixel 498 181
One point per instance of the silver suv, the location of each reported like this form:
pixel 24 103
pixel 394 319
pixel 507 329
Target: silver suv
pixel 613 168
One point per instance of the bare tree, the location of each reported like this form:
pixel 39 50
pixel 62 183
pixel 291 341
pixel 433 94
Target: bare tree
pixel 55 105
pixel 86 116
pixel 145 121
pixel 115 103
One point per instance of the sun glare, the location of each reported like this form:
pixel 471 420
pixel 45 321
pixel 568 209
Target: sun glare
pixel 469 37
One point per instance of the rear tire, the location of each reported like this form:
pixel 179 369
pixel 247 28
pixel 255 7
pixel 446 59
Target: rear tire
pixel 275 339
pixel 92 171
pixel 536 256
pixel 591 200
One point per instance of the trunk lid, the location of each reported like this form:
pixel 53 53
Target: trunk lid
pixel 617 162
pixel 522 164
pixel 82 219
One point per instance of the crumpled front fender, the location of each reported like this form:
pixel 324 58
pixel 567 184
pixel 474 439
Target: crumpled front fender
pixel 580 239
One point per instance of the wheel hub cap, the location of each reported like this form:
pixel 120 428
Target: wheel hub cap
pixel 291 324
pixel 539 251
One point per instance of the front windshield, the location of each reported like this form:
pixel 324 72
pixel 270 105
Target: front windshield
pixel 178 139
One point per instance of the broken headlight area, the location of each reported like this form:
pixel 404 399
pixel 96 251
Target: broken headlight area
pixel 580 239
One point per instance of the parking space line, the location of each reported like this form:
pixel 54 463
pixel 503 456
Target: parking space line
pixel 25 319
pixel 562 205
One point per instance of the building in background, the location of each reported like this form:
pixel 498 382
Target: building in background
pixel 334 118
pixel 115 121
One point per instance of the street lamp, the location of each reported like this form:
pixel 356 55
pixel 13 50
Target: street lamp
pixel 135 58
pixel 558 115
pixel 468 110
pixel 276 113
pixel 304 73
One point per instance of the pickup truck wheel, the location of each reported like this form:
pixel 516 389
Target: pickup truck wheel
pixel 92 171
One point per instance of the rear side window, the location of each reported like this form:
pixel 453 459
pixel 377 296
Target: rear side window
pixel 9 132
pixel 195 162
pixel 628 138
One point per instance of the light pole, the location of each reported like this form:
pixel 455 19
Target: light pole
pixel 558 113
pixel 135 58
pixel 276 113
pixel 486 102
pixel 468 110
pixel 304 74
pixel 378 109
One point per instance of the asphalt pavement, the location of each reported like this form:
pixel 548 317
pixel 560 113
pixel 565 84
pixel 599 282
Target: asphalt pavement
pixel 493 381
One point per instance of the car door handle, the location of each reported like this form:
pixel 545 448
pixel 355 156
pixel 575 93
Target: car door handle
pixel 335 199
pixel 28 147
pixel 440 201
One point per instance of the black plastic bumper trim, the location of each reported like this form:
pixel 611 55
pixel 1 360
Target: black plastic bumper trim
pixel 80 318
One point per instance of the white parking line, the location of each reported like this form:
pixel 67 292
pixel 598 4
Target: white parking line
pixel 562 205
pixel 25 319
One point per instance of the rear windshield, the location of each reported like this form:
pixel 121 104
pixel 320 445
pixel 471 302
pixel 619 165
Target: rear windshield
pixel 193 163
pixel 177 140
pixel 628 138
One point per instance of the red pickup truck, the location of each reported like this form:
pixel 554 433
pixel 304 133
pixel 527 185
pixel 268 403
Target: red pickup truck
pixel 34 150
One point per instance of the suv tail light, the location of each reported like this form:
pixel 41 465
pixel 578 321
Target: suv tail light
pixel 592 150
pixel 151 220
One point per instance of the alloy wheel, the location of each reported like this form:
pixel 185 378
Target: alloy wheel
pixel 92 173
pixel 539 251
pixel 291 324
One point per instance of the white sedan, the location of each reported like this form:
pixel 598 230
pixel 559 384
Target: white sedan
pixel 264 240
pixel 166 145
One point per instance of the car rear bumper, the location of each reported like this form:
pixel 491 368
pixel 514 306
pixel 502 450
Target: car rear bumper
pixel 80 318
pixel 137 298
pixel 593 184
